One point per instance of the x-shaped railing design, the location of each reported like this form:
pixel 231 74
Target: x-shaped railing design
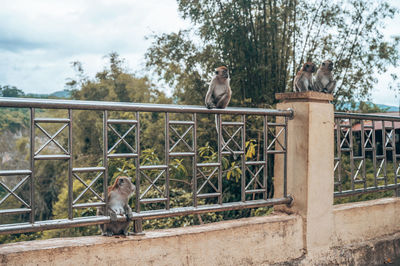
pixel 180 138
pixel 380 168
pixel 344 134
pixel 231 138
pixel 275 139
pixel 389 138
pixel 51 139
pixel 368 139
pixel 358 169
pixel 152 183
pixel 12 191
pixel 207 180
pixel 88 187
pixel 255 178
pixel 121 138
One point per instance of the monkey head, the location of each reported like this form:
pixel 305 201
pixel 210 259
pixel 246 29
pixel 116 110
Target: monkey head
pixel 309 67
pixel 123 185
pixel 222 72
pixel 327 64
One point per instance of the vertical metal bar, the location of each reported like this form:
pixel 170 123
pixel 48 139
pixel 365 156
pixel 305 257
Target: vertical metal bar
pixel 167 160
pixel 243 160
pixel 137 224
pixel 105 157
pixel 394 158
pixel 285 160
pixel 137 178
pixel 384 152
pixel 219 158
pixel 194 179
pixel 70 165
pixel 339 153
pixel 32 165
pixel 351 154
pixel 265 155
pixel 363 154
pixel 374 153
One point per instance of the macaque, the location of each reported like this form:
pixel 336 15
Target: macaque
pixel 118 204
pixel 324 81
pixel 219 92
pixel 303 80
pixel 218 95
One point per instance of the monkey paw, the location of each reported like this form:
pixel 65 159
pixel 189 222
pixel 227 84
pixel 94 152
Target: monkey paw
pixel 108 233
pixel 210 105
pixel 113 216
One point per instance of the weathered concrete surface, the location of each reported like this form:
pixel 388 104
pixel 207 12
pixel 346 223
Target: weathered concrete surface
pixel 380 251
pixel 252 241
pixel 361 221
pixel 309 164
pixel 308 96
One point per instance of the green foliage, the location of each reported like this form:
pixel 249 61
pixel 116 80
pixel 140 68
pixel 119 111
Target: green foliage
pixel 264 43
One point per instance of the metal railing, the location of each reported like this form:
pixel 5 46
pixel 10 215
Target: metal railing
pixel 367 152
pixel 274 143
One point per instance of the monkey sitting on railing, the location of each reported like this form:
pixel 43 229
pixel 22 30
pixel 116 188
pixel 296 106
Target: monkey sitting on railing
pixel 118 204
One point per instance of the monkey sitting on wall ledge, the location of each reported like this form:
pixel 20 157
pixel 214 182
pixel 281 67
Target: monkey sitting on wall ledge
pixel 118 197
pixel 324 81
pixel 303 80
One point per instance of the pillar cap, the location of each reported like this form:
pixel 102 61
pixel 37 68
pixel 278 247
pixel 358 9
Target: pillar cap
pixel 307 96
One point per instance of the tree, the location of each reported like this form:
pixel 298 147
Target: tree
pixel 10 91
pixel 264 42
pixel 114 83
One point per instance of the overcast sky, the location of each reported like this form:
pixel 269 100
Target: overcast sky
pixel 39 39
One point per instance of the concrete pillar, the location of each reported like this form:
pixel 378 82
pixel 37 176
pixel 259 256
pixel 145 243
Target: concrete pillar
pixel 309 164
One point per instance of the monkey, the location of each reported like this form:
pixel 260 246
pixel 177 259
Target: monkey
pixel 324 81
pixel 219 92
pixel 303 80
pixel 118 197
pixel 219 95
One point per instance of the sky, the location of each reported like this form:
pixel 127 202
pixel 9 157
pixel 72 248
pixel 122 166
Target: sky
pixel 39 39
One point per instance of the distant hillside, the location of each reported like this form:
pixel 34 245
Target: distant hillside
pixel 383 107
pixel 388 108
pixel 65 94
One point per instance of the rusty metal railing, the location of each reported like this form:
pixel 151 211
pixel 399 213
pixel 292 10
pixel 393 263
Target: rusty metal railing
pixel 367 153
pixel 274 142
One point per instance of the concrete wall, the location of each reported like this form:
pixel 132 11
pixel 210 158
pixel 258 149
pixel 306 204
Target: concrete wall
pixel 253 241
pixel 363 221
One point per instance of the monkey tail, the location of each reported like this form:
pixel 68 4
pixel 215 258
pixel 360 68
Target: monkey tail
pixel 222 139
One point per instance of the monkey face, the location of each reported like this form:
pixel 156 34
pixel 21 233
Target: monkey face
pixel 222 72
pixel 309 67
pixel 124 183
pixel 327 64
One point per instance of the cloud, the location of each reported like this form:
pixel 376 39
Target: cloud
pixel 39 39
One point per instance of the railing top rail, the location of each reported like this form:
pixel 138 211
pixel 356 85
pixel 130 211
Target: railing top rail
pixel 366 116
pixel 124 106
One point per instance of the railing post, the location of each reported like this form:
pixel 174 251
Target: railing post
pixel 32 164
pixel 137 223
pixel 310 158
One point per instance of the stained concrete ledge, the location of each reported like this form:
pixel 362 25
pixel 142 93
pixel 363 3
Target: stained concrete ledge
pixel 361 221
pixel 307 96
pixel 251 241
pixel 380 251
